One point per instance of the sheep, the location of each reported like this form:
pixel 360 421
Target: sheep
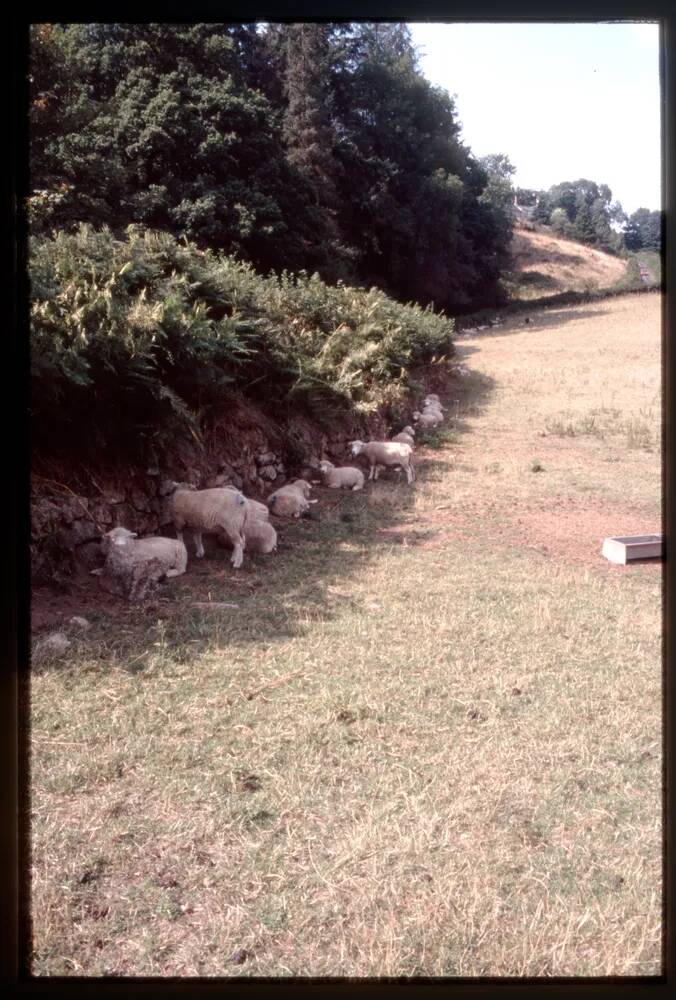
pixel 432 407
pixel 255 507
pixel 346 476
pixel 213 510
pixel 291 500
pixel 134 566
pixel 406 436
pixel 260 535
pixel 427 420
pixel 386 453
pixel 432 397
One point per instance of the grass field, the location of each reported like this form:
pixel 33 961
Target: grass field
pixel 427 741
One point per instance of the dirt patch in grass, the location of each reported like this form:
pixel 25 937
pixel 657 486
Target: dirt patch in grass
pixel 574 531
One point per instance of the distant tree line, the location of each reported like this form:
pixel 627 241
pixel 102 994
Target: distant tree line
pixel 316 147
pixel 583 210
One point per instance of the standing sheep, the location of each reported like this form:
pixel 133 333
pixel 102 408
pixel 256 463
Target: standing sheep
pixel 387 453
pixel 214 510
pixel 346 477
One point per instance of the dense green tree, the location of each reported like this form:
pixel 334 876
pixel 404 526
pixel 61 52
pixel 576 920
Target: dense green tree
pixel 643 230
pixel 409 188
pixel 589 213
pixel 161 128
pixel 297 146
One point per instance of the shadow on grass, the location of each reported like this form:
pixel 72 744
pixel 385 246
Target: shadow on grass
pixel 280 596
pixel 539 318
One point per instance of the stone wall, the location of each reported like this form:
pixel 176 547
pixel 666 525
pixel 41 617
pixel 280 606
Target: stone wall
pixel 244 449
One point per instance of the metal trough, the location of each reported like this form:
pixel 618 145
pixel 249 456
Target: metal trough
pixel 630 547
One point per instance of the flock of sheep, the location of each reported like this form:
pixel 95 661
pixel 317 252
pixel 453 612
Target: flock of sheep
pixel 134 566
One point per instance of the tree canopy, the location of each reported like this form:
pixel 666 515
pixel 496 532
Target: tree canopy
pixel 294 146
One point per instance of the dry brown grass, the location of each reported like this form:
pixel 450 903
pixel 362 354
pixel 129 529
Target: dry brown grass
pixel 427 742
pixel 544 264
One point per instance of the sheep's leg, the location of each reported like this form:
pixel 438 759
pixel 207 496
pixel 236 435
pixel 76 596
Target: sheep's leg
pixel 238 552
pixel 372 469
pixel 181 563
pixel 199 548
pixel 356 487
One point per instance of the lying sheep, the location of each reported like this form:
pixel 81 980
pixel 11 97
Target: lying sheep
pixel 291 500
pixel 254 507
pixel 134 566
pixel 345 477
pixel 387 453
pixel 427 420
pixel 432 407
pixel 260 536
pixel 219 510
pixel 406 436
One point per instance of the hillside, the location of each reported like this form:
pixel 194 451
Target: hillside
pixel 543 263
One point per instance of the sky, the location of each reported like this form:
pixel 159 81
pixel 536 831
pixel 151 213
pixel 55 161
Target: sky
pixel 563 101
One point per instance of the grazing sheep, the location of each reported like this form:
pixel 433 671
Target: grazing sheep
pixel 346 476
pixel 406 436
pixel 427 420
pixel 387 453
pixel 291 500
pixel 134 566
pixel 214 510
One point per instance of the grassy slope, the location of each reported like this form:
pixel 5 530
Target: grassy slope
pixel 545 264
pixel 428 739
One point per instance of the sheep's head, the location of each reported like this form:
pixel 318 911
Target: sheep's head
pixel 183 486
pixel 357 447
pixel 119 536
pixel 325 465
pixel 417 415
pixel 303 486
pixel 409 430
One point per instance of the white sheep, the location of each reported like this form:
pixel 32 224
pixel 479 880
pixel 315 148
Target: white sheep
pixel 433 407
pixel 427 420
pixel 433 396
pixel 291 500
pixel 260 535
pixel 219 510
pixel 387 453
pixel 134 566
pixel 346 476
pixel 255 507
pixel 406 436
